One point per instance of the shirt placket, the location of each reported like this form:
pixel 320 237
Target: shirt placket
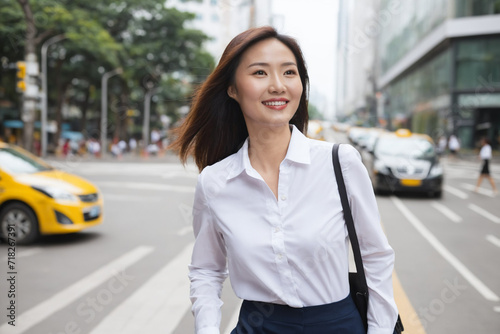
pixel 290 295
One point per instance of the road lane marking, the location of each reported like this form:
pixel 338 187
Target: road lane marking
pixel 157 306
pixel 62 299
pixel 445 253
pixel 146 186
pixel 481 191
pixel 456 192
pixel 129 198
pixel 409 316
pixel 185 230
pixel 447 212
pixel 497 309
pixel 494 240
pixel 234 319
pixel 484 213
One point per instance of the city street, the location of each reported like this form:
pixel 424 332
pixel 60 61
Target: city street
pixel 129 275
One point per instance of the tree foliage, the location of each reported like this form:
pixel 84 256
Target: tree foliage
pixel 150 42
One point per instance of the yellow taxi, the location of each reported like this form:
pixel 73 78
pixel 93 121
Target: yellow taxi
pixel 315 130
pixel 36 198
pixel 405 161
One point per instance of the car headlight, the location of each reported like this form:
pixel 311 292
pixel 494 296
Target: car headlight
pixel 380 167
pixel 436 170
pixel 56 193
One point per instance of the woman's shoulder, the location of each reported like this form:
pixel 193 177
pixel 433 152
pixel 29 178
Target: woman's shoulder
pixel 220 169
pixel 347 153
pixel 345 150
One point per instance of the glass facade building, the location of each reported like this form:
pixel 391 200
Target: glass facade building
pixel 439 68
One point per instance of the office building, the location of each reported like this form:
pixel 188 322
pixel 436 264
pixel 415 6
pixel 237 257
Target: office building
pixel 439 67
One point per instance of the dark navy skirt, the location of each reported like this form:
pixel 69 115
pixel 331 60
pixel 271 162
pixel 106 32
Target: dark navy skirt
pixel 340 317
pixel 486 167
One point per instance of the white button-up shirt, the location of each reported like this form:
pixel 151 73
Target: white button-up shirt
pixel 292 249
pixel 485 152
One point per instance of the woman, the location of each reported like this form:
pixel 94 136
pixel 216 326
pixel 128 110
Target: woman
pixel 267 202
pixel 485 155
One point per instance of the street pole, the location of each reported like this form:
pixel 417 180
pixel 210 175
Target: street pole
pixel 104 107
pixel 45 92
pixel 145 126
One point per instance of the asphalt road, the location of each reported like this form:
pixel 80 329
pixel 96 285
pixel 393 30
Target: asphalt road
pixel 129 275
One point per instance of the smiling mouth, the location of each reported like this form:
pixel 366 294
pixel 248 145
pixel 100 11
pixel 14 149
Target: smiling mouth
pixel 275 103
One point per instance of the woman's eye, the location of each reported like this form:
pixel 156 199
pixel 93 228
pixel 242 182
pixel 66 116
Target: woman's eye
pixel 290 72
pixel 260 72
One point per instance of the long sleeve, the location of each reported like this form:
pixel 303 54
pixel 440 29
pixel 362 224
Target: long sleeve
pixel 378 256
pixel 207 270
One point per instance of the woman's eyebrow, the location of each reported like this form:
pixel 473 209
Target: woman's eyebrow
pixel 266 64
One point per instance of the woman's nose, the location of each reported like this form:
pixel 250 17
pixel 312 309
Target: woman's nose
pixel 276 85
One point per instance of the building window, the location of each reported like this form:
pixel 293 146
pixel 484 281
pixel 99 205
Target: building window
pixel 477 7
pixel 478 63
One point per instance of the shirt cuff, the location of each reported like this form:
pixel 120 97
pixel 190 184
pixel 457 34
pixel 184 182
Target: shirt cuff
pixel 208 330
pixel 378 330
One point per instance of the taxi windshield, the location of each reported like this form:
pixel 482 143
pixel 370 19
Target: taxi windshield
pixel 15 162
pixel 416 148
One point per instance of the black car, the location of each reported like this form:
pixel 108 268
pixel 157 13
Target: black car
pixel 403 161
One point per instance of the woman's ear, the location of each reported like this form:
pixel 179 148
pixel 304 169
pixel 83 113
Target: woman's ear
pixel 231 91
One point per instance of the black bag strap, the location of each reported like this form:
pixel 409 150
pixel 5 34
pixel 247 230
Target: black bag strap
pixel 348 215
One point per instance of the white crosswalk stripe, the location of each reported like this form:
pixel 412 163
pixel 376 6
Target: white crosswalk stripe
pixel 494 240
pixel 447 212
pixel 31 317
pixel 158 306
pixel 486 192
pixel 146 186
pixel 455 191
pixel 486 214
pixel 164 170
pixel 486 292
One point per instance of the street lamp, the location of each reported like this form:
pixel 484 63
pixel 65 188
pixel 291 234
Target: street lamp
pixel 45 95
pixel 147 107
pixel 104 106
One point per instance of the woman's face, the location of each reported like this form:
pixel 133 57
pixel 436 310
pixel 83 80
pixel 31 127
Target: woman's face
pixel 267 84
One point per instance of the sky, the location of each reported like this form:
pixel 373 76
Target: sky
pixel 313 24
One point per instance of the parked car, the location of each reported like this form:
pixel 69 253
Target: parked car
pixel 404 161
pixel 355 135
pixel 36 198
pixel 315 130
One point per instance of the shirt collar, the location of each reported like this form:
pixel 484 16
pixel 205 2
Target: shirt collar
pixel 298 151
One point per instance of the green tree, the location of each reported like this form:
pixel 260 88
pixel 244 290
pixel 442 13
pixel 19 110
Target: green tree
pixel 148 40
pixel 314 112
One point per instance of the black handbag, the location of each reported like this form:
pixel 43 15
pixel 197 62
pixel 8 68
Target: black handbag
pixel 357 280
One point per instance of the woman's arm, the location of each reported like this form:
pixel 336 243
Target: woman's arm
pixel 207 270
pixel 377 254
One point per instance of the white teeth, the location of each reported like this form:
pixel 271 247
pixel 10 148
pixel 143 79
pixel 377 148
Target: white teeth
pixel 275 103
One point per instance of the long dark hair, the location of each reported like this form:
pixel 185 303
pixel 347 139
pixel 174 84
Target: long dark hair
pixel 215 128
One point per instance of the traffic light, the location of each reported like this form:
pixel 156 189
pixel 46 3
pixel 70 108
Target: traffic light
pixel 21 76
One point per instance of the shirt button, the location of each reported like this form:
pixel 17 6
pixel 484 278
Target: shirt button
pixel 276 229
pixel 280 256
pixel 283 197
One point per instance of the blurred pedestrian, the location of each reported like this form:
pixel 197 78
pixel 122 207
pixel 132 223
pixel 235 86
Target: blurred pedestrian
pixel 123 146
pixel 442 143
pixel 485 155
pixel 66 149
pixel 453 145
pixel 132 144
pixel 267 204
pixel 115 148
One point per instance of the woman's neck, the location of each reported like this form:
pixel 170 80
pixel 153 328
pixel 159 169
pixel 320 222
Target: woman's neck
pixel 268 147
